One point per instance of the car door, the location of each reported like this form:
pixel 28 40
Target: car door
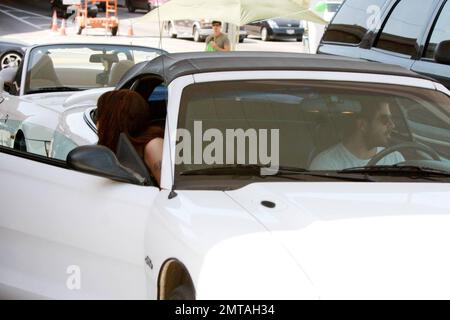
pixel 69 235
pixel 440 32
pixel 10 117
pixel 399 40
pixel 253 28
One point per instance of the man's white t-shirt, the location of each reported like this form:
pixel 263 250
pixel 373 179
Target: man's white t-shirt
pixel 339 158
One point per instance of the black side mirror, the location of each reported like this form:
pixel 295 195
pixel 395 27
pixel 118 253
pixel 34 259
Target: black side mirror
pixel 101 161
pixel 442 54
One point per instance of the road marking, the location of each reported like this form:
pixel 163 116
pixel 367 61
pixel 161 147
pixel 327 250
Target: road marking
pixel 20 10
pixel 22 19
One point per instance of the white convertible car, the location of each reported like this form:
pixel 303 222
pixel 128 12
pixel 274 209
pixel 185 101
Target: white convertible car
pixel 241 212
pixel 54 79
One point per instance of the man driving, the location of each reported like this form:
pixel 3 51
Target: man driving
pixel 368 134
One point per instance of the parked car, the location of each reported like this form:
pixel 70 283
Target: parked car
pixel 411 33
pixel 66 8
pixel 91 227
pixel 277 28
pixel 11 53
pixel 197 29
pixel 146 5
pixel 54 78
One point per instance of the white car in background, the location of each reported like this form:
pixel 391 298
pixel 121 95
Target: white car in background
pixel 96 226
pixel 54 78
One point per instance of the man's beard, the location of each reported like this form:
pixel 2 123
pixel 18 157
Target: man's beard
pixel 372 141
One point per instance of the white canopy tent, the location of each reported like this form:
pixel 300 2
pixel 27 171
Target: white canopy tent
pixel 236 12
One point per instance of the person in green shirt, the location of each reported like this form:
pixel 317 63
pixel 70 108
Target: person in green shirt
pixel 217 41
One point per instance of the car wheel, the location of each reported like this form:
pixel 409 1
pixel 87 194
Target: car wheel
pixel 149 7
pixel 130 7
pixel 300 39
pixel 264 34
pixel 197 37
pixel 182 292
pixel 114 30
pixel 241 40
pixel 19 142
pixel 8 58
pixel 171 31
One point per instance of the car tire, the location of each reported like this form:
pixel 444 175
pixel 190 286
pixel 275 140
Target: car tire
pixel 10 57
pixel 300 39
pixel 265 34
pixel 149 7
pixel 182 292
pixel 197 37
pixel 241 40
pixel 171 31
pixel 114 30
pixel 130 7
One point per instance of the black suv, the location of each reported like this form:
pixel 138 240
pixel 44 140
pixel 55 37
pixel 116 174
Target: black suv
pixel 414 34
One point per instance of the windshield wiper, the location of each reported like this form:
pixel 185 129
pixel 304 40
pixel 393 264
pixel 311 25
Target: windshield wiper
pixel 398 170
pixel 286 172
pixel 53 89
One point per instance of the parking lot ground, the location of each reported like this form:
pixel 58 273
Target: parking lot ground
pixel 33 26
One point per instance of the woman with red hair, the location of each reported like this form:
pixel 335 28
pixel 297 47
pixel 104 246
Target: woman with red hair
pixel 126 111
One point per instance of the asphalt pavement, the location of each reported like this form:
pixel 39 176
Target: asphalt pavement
pixel 30 21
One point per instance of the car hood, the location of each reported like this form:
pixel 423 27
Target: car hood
pixel 360 240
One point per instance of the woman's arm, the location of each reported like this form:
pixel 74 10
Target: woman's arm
pixel 153 157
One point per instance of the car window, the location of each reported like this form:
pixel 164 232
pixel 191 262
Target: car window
pixel 80 67
pixel 311 118
pixel 440 32
pixel 404 26
pixel 352 21
pixel 429 126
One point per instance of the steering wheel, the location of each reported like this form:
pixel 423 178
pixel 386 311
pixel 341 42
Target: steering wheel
pixel 402 146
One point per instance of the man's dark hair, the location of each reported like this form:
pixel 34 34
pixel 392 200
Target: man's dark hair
pixel 216 22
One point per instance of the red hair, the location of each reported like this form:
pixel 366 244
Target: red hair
pixel 125 111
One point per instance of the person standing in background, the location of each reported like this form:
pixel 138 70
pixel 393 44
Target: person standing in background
pixel 217 41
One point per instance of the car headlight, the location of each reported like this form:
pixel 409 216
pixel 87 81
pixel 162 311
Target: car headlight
pixel 272 24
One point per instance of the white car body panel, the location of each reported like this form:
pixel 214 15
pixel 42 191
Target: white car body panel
pixel 388 236
pixel 92 222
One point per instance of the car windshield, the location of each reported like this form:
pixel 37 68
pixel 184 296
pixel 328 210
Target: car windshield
pixel 81 66
pixel 303 127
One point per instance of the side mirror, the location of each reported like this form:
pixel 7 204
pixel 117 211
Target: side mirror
pixel 442 54
pixel 101 161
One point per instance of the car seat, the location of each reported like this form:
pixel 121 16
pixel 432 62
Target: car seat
pixel 118 70
pixel 43 74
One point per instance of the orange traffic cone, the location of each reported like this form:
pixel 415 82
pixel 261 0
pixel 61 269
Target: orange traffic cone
pixel 62 30
pixel 54 22
pixel 130 30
